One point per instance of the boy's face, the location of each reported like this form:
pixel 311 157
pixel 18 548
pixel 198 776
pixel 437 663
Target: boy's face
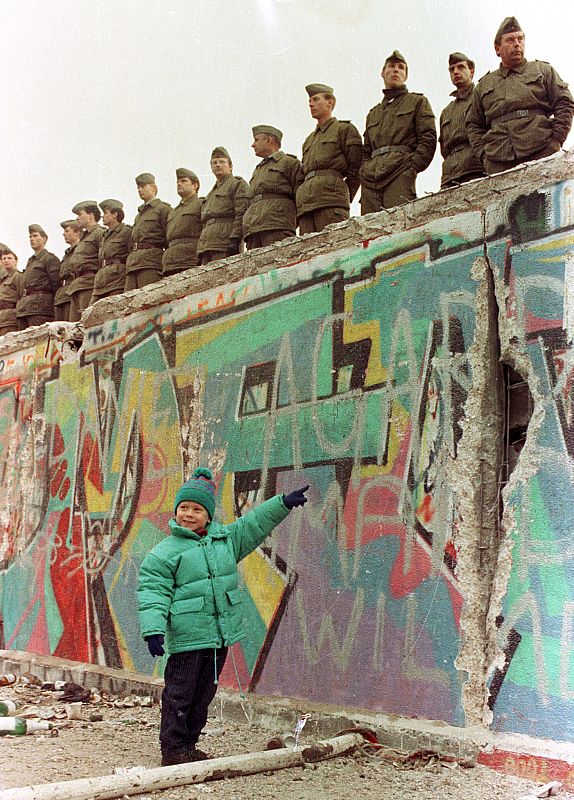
pixel 191 515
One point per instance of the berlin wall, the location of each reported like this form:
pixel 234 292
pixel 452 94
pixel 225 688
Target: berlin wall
pixel 415 368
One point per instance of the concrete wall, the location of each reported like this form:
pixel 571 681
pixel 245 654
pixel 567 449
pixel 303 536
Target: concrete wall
pixel 427 577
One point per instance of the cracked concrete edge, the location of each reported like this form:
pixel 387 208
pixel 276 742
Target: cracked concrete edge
pixel 278 714
pixel 475 473
pixel 513 351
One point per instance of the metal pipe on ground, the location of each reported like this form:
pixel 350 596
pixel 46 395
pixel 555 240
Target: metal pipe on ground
pixel 107 787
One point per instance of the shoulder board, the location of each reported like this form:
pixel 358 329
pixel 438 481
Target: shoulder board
pixel 345 121
pixel 540 61
pixel 484 76
pixel 291 155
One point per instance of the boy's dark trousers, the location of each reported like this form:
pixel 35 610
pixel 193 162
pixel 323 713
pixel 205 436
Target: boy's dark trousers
pixel 189 689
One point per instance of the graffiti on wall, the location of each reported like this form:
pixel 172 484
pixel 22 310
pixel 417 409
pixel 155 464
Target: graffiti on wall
pixel 347 372
pixel 536 623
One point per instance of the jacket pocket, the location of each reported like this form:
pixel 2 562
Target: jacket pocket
pixel 235 596
pixel 192 605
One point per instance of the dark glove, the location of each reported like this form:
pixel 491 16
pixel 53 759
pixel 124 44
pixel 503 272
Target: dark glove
pixel 233 247
pixel 296 498
pixel 155 644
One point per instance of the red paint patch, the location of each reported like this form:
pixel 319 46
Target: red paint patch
pixel 69 586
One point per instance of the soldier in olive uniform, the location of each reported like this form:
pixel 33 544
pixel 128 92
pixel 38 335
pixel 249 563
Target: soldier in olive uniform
pixel 331 160
pixel 144 263
pixel 400 141
pixel 39 282
pixel 115 246
pixel 271 215
pixel 72 233
pixel 520 112
pixel 10 289
pixel 183 225
pixel 84 261
pixel 460 164
pixel 222 211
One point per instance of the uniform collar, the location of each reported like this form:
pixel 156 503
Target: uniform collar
pixel 150 204
pixel 519 69
pixel 464 96
pixel 273 157
pixel 326 124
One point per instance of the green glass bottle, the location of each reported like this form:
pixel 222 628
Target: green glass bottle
pixel 16 726
pixel 7 708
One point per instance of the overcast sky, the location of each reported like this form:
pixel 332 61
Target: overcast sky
pixel 93 93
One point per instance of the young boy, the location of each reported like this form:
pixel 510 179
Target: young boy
pixel 189 591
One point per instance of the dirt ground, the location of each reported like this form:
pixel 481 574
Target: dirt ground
pixel 127 736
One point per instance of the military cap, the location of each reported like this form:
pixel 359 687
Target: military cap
pixel 220 152
pixel 318 88
pixel 396 56
pixel 4 248
pixel 456 58
pixel 508 25
pixel 112 205
pixel 84 205
pixel 269 130
pixel 37 229
pixel 70 223
pixel 183 172
pixel 145 178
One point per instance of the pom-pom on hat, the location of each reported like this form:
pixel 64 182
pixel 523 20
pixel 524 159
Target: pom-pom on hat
pixel 200 488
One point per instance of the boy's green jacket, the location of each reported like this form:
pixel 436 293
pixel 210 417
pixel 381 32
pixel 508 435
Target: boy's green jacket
pixel 188 585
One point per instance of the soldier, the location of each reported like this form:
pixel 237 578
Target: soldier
pixel 115 246
pixel 331 160
pixel 84 261
pixel 143 265
pixel 222 211
pixel 72 234
pixel 520 112
pixel 39 282
pixel 183 225
pixel 10 280
pixel 460 164
pixel 400 141
pixel 271 215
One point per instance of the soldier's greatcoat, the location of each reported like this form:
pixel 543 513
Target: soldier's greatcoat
pixel 39 284
pixel 519 112
pixel 183 229
pixel 333 152
pixel 222 214
pixel 273 186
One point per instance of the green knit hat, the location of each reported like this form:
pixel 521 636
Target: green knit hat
pixel 200 488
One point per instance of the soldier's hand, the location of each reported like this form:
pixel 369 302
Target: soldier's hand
pixel 233 247
pixel 155 644
pixel 296 498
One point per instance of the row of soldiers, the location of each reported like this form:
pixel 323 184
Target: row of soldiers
pixel 520 112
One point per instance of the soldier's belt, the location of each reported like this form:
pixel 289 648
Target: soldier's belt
pixel 211 220
pixel 32 290
pixel 391 148
pixel 5 305
pixel 183 240
pixel 147 246
pixel 522 113
pixel 107 262
pixel 333 173
pixel 271 196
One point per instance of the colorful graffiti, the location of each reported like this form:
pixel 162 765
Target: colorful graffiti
pixel 536 624
pixel 348 371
